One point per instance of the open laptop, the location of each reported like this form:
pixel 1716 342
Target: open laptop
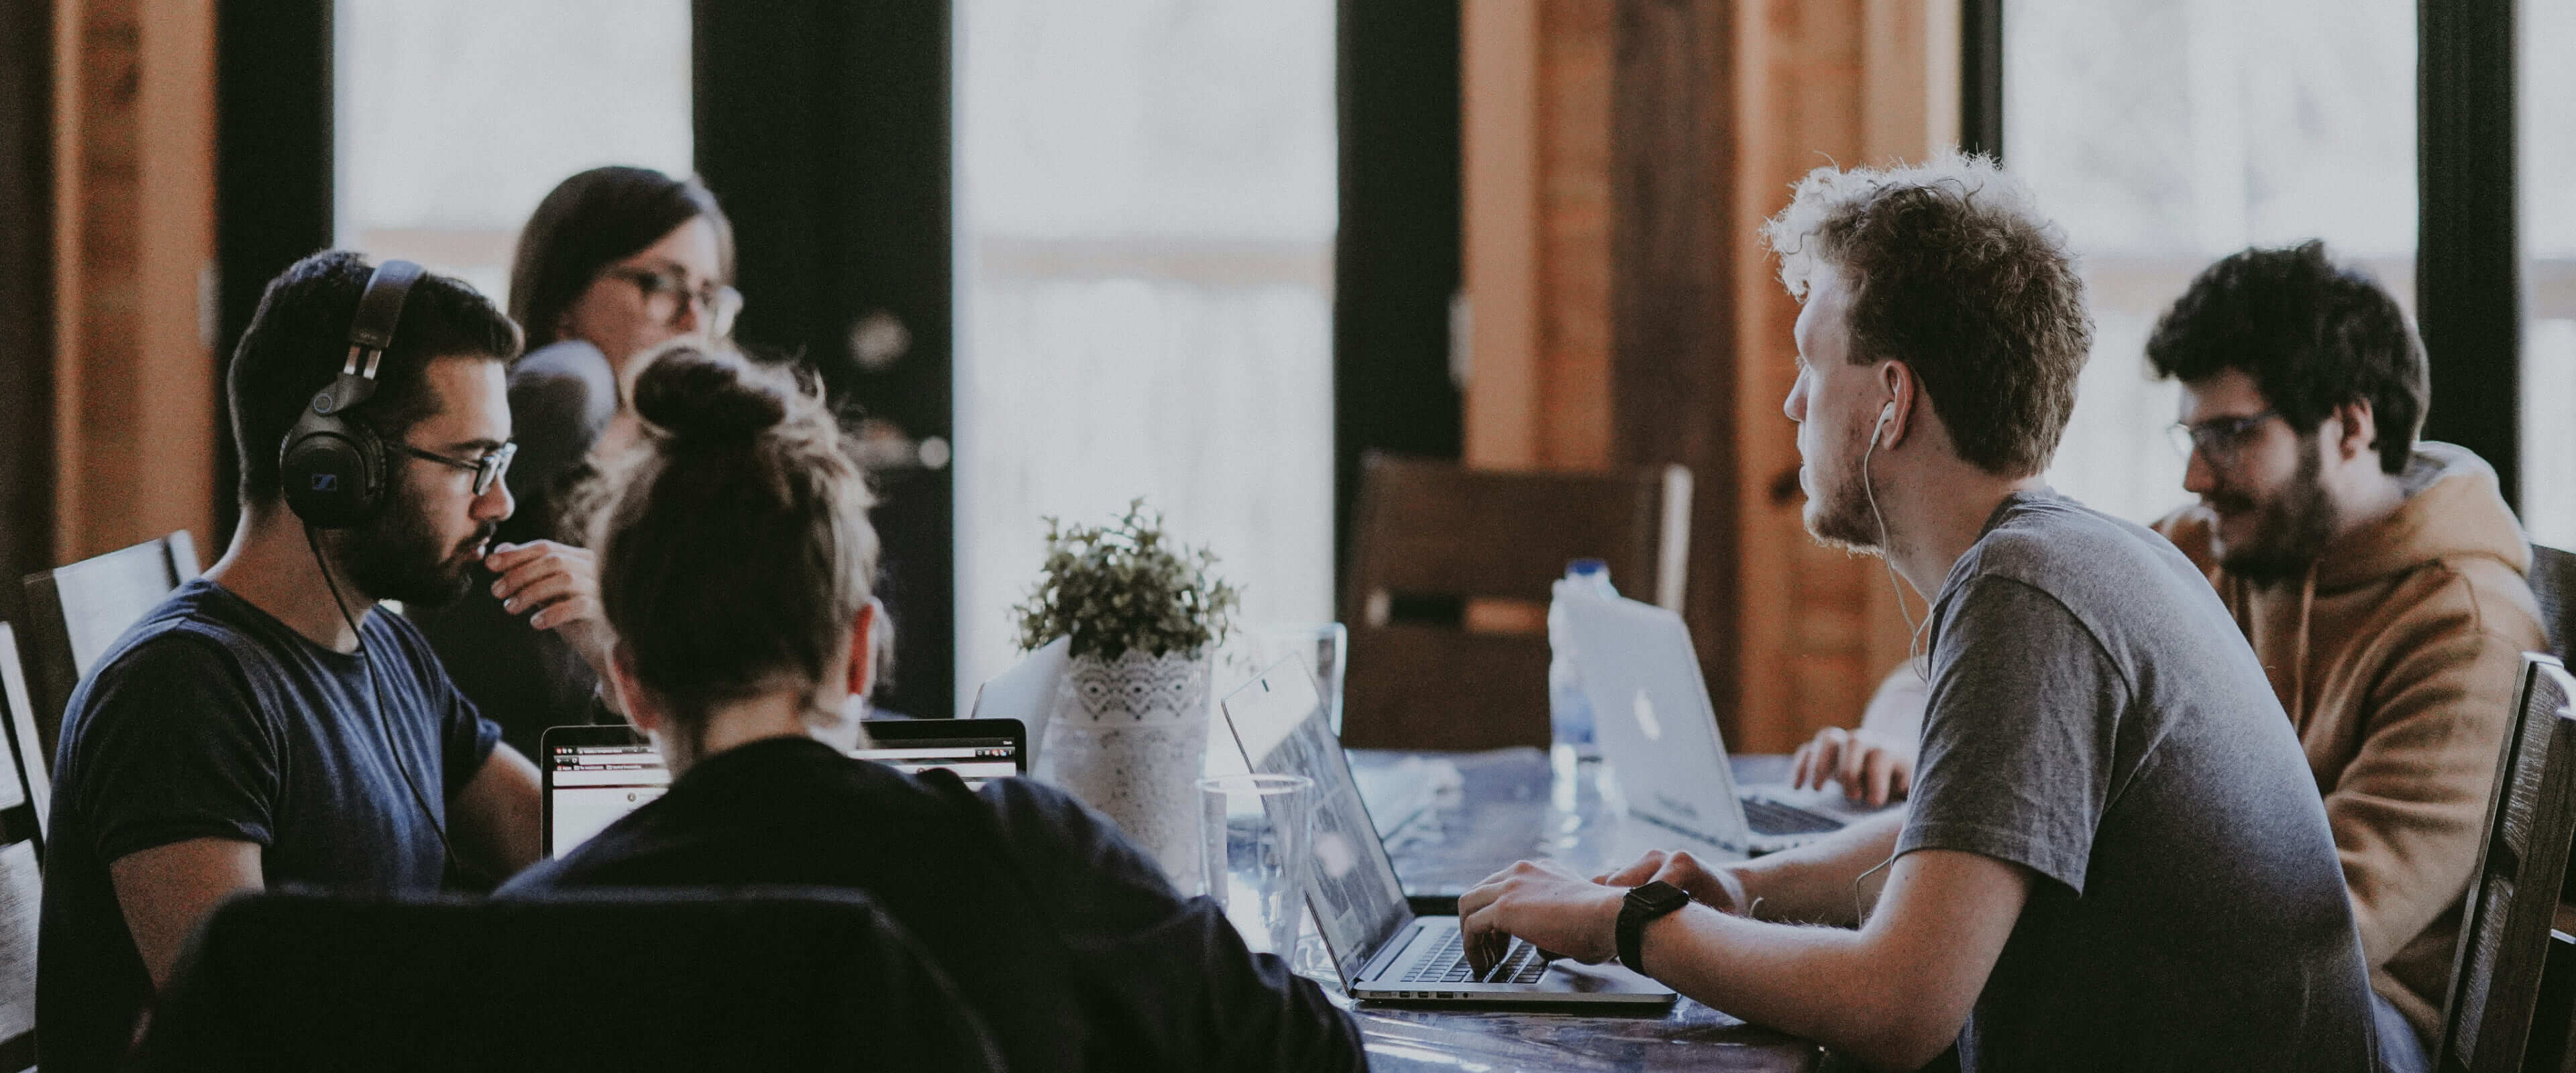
pixel 1651 715
pixel 592 775
pixel 1382 950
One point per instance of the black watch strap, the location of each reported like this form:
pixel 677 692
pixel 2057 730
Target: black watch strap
pixel 1644 905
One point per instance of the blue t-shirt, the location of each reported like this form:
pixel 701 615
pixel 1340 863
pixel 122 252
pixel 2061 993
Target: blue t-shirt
pixel 212 719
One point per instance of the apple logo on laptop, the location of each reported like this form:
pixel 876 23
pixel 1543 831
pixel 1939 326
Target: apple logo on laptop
pixel 1646 720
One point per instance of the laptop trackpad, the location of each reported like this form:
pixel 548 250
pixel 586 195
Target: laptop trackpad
pixel 1577 978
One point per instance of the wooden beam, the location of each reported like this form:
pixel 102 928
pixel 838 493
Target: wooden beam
pixel 134 400
pixel 1498 144
pixel 1673 303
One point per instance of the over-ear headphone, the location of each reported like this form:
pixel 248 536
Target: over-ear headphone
pixel 333 469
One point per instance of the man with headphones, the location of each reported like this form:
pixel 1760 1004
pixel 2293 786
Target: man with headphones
pixel 2113 856
pixel 265 725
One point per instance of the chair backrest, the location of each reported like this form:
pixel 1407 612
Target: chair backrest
pixel 780 979
pixel 26 760
pixel 2553 584
pixel 2513 895
pixel 21 877
pixel 27 755
pixel 75 612
pixel 1424 529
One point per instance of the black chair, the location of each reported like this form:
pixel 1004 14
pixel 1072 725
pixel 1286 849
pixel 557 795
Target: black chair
pixel 607 980
pixel 2553 584
pixel 2512 900
pixel 75 612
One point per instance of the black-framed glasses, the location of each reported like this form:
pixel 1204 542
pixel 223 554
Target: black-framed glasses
pixel 719 301
pixel 2219 439
pixel 487 469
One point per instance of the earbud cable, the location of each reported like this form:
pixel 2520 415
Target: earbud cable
pixel 1919 660
pixel 384 725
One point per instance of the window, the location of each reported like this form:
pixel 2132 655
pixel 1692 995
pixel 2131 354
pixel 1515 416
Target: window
pixel 454 118
pixel 2166 135
pixel 2546 98
pixel 1145 217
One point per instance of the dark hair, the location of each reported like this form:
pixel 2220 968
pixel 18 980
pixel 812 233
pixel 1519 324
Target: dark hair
pixel 591 221
pixel 299 338
pixel 1955 273
pixel 2311 334
pixel 734 545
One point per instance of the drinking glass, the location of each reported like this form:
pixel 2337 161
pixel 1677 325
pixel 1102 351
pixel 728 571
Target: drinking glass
pixel 1256 834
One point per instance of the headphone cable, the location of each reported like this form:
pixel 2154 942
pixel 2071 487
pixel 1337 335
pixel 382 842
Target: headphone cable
pixel 384 725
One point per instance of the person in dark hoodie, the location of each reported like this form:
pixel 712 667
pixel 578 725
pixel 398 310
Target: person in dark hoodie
pixel 737 562
pixel 2379 578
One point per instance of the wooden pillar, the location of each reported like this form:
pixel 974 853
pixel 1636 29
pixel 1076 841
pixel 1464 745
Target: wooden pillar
pixel 1673 306
pixel 1535 117
pixel 135 403
pixel 1620 156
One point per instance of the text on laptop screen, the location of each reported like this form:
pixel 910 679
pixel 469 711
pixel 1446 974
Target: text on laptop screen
pixel 975 760
pixel 1351 885
pixel 596 784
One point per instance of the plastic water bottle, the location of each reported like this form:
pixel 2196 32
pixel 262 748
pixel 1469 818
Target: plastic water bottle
pixel 1569 711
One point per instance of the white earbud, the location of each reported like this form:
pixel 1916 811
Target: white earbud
pixel 1884 413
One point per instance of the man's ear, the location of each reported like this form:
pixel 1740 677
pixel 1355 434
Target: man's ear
pixel 2360 430
pixel 863 649
pixel 1903 392
pixel 630 694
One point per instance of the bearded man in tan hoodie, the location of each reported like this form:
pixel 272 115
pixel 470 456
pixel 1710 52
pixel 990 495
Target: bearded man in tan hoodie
pixel 2380 581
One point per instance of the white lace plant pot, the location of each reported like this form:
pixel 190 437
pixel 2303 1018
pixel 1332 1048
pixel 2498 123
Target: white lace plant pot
pixel 1128 738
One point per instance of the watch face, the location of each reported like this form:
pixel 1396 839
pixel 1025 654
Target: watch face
pixel 1659 897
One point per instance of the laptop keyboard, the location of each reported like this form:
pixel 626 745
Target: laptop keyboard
pixel 1447 964
pixel 1768 817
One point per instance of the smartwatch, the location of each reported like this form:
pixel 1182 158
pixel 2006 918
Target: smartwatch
pixel 1642 906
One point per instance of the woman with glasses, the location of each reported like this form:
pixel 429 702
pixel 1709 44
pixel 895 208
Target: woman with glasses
pixel 615 262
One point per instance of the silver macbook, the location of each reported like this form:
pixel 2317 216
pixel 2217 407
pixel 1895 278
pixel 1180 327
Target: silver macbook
pixel 1651 714
pixel 1381 949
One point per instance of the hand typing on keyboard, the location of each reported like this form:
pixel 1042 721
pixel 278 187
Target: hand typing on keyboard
pixel 1715 887
pixel 1555 910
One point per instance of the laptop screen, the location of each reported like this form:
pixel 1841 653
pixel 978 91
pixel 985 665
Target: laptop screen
pixel 1351 886
pixel 595 774
pixel 588 786
pixel 976 760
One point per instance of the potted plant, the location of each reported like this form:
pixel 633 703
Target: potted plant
pixel 1142 618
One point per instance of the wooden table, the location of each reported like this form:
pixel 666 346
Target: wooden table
pixel 1451 819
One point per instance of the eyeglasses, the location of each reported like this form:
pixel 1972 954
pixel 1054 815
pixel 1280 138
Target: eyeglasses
pixel 2219 439
pixel 487 469
pixel 719 302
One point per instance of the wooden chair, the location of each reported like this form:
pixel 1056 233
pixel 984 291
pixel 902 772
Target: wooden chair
pixel 21 876
pixel 1437 530
pixel 2496 972
pixel 31 769
pixel 75 612
pixel 2553 584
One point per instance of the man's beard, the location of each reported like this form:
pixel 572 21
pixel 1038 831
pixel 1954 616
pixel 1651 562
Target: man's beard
pixel 1841 516
pixel 396 556
pixel 2290 530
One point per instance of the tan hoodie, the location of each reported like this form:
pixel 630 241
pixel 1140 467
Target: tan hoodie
pixel 2397 657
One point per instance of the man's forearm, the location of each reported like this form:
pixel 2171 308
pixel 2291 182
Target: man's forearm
pixel 1814 884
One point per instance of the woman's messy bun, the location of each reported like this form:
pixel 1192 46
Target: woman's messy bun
pixel 734 547
pixel 692 395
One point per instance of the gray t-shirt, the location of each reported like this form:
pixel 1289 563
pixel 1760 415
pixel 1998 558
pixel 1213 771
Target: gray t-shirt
pixel 2096 717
